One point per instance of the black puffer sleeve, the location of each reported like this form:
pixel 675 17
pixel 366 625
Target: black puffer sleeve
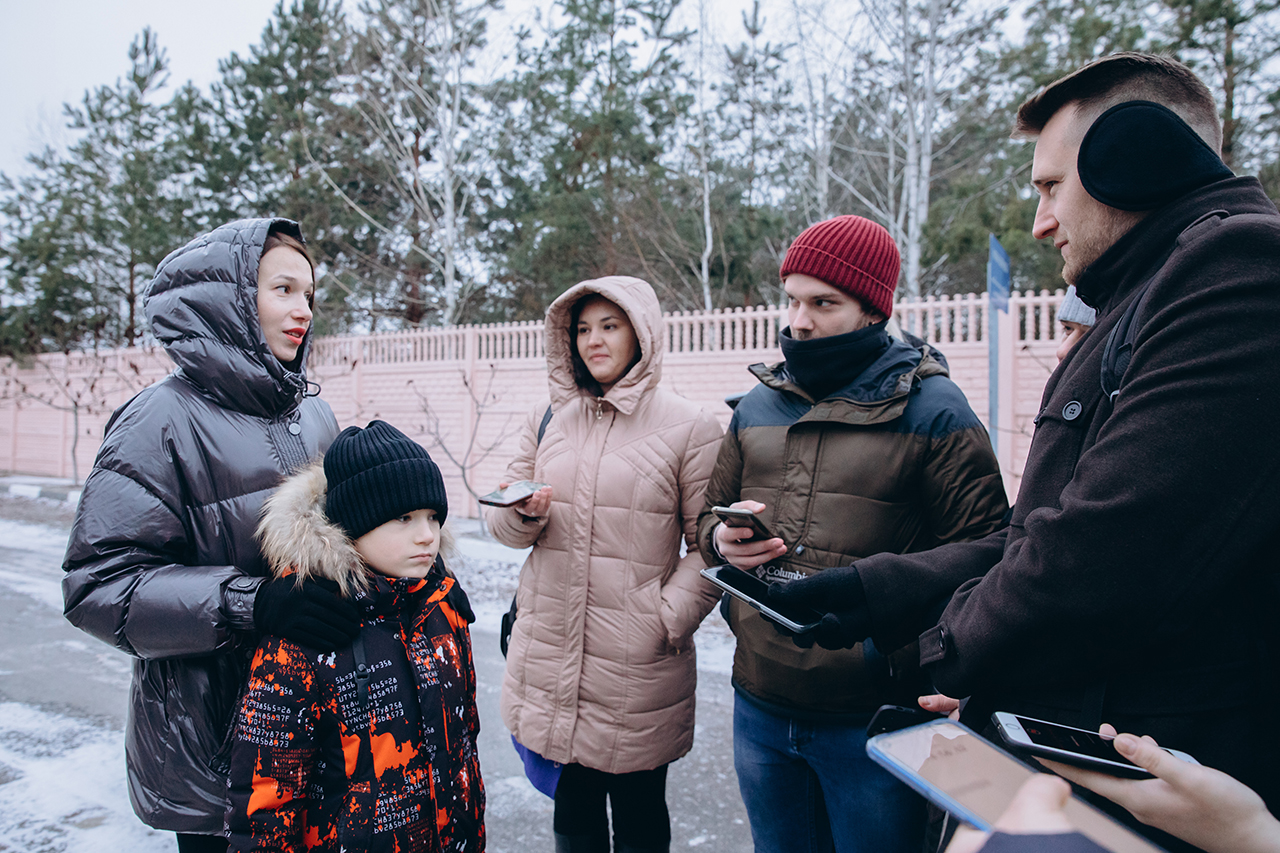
pixel 128 580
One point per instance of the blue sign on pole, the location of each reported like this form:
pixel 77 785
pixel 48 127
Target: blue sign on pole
pixel 998 275
pixel 998 280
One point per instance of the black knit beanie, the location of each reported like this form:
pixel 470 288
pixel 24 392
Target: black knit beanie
pixel 376 474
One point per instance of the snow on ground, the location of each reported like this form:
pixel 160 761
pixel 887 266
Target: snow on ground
pixel 62 787
pixel 48 544
pixel 40 539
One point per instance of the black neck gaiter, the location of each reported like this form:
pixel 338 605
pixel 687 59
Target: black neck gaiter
pixel 821 365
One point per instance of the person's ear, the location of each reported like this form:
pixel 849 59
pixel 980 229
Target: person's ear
pixel 1141 155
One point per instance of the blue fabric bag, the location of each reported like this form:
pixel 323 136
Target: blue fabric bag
pixel 544 774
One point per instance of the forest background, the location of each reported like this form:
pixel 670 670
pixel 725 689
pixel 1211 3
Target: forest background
pixel 447 176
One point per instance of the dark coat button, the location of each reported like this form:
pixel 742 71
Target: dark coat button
pixel 1072 410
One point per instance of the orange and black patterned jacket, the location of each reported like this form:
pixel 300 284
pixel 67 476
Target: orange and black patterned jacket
pixel 310 771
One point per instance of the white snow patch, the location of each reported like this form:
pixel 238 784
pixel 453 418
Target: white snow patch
pixel 62 787
pixel 45 590
pixel 475 548
pixel 715 644
pixel 513 795
pixel 45 541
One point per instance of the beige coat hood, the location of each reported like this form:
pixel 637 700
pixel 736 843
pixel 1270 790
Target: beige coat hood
pixel 601 668
pixel 636 298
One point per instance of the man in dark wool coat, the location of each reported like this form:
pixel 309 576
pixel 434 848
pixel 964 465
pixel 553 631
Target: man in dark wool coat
pixel 1137 581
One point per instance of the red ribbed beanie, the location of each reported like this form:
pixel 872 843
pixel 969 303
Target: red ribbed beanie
pixel 850 253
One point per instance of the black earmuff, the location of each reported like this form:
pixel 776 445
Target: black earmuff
pixel 1140 155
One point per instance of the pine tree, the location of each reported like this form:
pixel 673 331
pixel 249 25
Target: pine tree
pixel 592 108
pixel 281 140
pixel 89 227
pixel 1231 43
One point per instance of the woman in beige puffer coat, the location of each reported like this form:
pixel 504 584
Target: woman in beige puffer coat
pixel 601 669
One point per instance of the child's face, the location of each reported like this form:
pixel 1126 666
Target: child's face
pixel 403 547
pixel 1074 332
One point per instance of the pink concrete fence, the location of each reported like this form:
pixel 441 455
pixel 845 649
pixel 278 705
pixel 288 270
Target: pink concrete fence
pixel 466 392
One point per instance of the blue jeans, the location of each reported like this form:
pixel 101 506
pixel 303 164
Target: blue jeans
pixel 811 788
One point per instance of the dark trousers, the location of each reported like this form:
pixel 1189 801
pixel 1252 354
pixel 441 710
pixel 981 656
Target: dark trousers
pixel 638 802
pixel 201 844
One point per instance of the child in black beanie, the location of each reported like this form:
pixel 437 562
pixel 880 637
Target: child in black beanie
pixel 373 747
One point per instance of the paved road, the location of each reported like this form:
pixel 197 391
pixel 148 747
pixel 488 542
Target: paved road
pixel 62 704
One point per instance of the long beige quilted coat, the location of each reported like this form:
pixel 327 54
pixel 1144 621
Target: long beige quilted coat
pixel 601 667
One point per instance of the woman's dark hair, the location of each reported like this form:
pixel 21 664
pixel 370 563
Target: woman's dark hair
pixel 581 375
pixel 276 239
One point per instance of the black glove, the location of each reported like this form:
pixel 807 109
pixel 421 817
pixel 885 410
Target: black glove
pixel 311 614
pixel 837 593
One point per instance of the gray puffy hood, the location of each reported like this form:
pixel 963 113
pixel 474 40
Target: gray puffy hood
pixel 203 308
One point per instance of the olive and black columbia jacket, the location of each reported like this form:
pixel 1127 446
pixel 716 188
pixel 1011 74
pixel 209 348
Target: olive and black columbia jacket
pixel 894 461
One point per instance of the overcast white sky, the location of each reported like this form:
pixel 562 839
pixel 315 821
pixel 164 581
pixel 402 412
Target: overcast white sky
pixel 52 51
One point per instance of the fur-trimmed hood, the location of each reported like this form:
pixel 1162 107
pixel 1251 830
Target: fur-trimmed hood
pixel 298 538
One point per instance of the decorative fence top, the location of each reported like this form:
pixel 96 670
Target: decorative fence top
pixel 961 318
pixel 941 320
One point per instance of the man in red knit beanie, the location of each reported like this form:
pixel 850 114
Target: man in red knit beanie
pixel 856 444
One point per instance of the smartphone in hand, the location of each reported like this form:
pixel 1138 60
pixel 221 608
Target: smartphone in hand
pixel 975 780
pixel 1077 747
pixel 743 518
pixel 512 494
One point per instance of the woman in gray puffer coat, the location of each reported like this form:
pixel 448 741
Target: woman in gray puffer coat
pixel 162 562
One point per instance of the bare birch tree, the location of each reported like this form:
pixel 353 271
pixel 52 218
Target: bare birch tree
pixel 876 138
pixel 704 167
pixel 413 83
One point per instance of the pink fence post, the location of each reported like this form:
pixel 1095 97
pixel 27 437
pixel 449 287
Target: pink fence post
pixel 1009 330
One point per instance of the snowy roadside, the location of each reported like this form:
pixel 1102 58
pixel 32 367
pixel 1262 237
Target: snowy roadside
pixel 62 787
pixel 487 569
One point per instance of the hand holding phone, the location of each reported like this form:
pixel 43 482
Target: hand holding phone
pixel 1200 805
pixel 742 538
pixel 743 518
pixel 1077 747
pixel 976 781
pixel 755 592
pixel 836 592
pixel 510 494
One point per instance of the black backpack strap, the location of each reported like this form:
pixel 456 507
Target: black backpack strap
pixel 508 622
pixel 364 759
pixel 542 427
pixel 1119 349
